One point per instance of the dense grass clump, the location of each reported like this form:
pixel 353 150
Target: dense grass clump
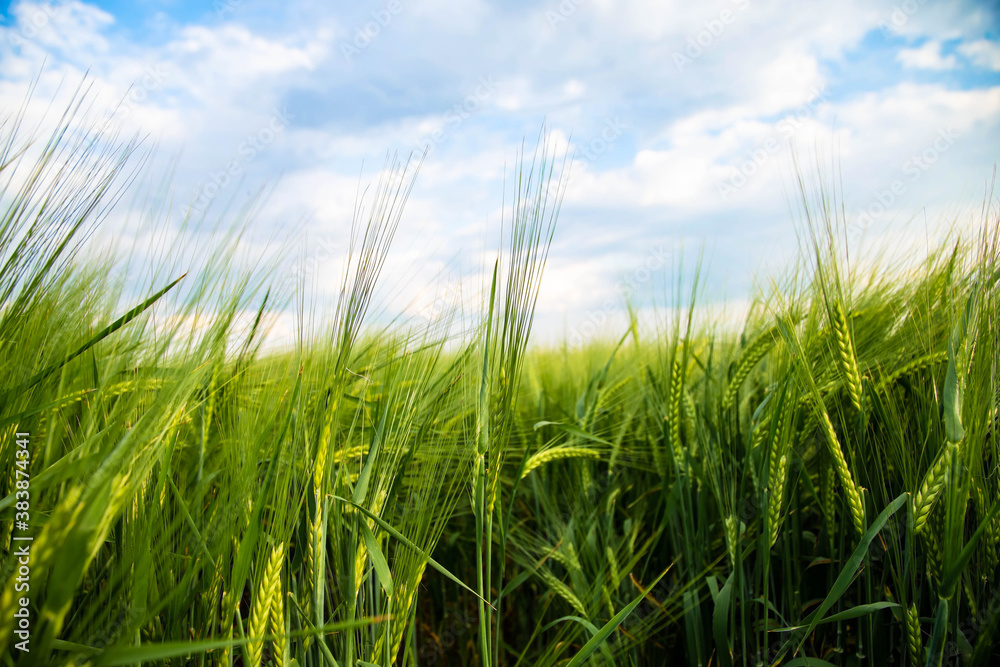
pixel 820 485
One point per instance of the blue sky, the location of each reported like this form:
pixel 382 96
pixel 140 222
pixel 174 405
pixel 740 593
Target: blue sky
pixel 681 119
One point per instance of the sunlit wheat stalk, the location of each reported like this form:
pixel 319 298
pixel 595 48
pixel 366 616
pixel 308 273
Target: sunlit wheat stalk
pixel 846 355
pixel 855 505
pixel 931 486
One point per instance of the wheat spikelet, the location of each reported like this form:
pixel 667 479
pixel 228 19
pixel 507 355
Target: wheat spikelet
pixel 348 453
pixel 935 556
pixel 323 446
pixel 268 594
pixel 914 366
pixel 776 475
pixel 561 557
pixel 606 395
pixel 913 635
pixel 828 499
pixel 318 572
pixel 689 414
pixel 775 450
pixel 404 596
pixel 572 560
pixel 991 538
pixel 555 454
pixel 758 440
pixel 932 485
pixel 612 565
pixel 228 609
pixel 319 473
pixel 276 624
pixel 676 389
pixel 310 570
pixel 933 547
pixel 731 525
pixel 360 558
pixel 78 396
pixel 245 517
pixel 215 593
pixel 563 591
pixel 846 358
pixel 854 502
pixel 750 357
pixel 120 388
pixel 500 402
pixel 258 625
pixel 777 484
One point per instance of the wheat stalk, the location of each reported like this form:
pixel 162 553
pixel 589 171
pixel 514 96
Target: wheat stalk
pixel 676 389
pixel 777 483
pixel 276 624
pixel 759 435
pixel 846 356
pixel 854 503
pixel 731 525
pixel 555 454
pixel 563 591
pixel 750 357
pixel 930 488
pixel 935 556
pixel 913 366
pixel 828 499
pixel 263 608
pixel 912 626
pixel 612 565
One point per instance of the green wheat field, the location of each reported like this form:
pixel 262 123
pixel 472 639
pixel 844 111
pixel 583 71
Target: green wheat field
pixel 815 486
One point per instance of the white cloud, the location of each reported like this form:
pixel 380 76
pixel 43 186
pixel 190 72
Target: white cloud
pixel 774 73
pixel 467 16
pixel 68 28
pixel 787 81
pixel 873 136
pixel 927 56
pixel 982 53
